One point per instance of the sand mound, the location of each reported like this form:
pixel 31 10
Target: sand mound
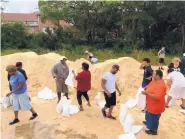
pixel 90 122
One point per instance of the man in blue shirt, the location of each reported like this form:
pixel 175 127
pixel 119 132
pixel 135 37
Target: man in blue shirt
pixel 19 93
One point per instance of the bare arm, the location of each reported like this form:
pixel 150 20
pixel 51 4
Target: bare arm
pixel 117 88
pixel 169 83
pixel 17 89
pixel 103 86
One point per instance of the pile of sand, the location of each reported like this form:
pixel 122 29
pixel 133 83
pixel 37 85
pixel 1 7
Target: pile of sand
pixel 90 122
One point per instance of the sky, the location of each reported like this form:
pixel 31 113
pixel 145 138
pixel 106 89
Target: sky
pixel 21 6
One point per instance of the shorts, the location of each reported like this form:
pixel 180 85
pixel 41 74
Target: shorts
pixel 178 92
pixel 161 60
pixel 21 101
pixel 152 120
pixel 110 101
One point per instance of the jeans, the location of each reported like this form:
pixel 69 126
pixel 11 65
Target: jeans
pixel 152 120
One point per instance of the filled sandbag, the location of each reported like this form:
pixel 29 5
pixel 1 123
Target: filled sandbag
pixel 47 94
pixel 141 99
pixel 97 98
pixel 123 113
pixel 128 123
pixel 127 136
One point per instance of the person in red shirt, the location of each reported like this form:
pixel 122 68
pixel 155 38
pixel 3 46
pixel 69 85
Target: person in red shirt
pixel 83 84
pixel 155 102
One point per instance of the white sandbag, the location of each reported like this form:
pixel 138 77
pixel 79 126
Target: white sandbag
pixel 123 113
pixel 59 106
pixel 141 99
pixel 6 102
pixel 97 98
pixel 131 103
pixel 66 107
pixel 136 129
pixel 73 109
pixel 69 79
pixel 127 136
pixel 128 123
pixel 47 94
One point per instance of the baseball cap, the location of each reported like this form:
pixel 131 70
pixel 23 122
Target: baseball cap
pixel 63 57
pixel 184 54
pixel 115 66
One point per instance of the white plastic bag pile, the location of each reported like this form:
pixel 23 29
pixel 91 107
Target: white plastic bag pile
pixel 65 108
pixel 6 101
pixel 46 93
pixel 69 80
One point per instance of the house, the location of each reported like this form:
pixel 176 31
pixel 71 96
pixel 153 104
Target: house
pixel 32 21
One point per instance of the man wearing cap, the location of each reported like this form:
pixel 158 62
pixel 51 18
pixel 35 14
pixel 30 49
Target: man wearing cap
pixel 110 86
pixel 60 71
pixel 183 59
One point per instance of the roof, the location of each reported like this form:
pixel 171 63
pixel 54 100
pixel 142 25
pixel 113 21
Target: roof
pixel 22 17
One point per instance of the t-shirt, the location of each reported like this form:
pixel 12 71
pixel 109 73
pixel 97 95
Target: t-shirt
pixel 178 80
pixel 147 73
pixel 84 81
pixel 110 82
pixel 180 68
pixel 94 60
pixel 158 90
pixel 162 54
pixel 22 71
pixel 15 80
pixel 183 60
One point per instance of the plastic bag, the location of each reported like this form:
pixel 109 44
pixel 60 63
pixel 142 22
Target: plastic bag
pixel 46 93
pixel 6 102
pixel 73 109
pixel 127 136
pixel 59 106
pixel 123 113
pixel 69 80
pixel 141 99
pixel 97 98
pixel 131 103
pixel 128 123
pixel 66 108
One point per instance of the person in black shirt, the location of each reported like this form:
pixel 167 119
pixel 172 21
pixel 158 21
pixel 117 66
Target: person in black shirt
pixel 177 65
pixel 19 68
pixel 147 76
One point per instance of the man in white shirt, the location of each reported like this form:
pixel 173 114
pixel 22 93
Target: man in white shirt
pixel 176 85
pixel 110 86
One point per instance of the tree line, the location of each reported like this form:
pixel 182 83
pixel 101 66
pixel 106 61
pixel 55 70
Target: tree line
pixel 123 25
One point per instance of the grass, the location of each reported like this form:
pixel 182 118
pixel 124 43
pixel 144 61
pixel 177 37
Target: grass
pixel 101 54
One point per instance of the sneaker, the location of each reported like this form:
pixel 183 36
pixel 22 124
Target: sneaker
pixel 111 117
pixel 33 116
pixel 151 132
pixel 14 122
